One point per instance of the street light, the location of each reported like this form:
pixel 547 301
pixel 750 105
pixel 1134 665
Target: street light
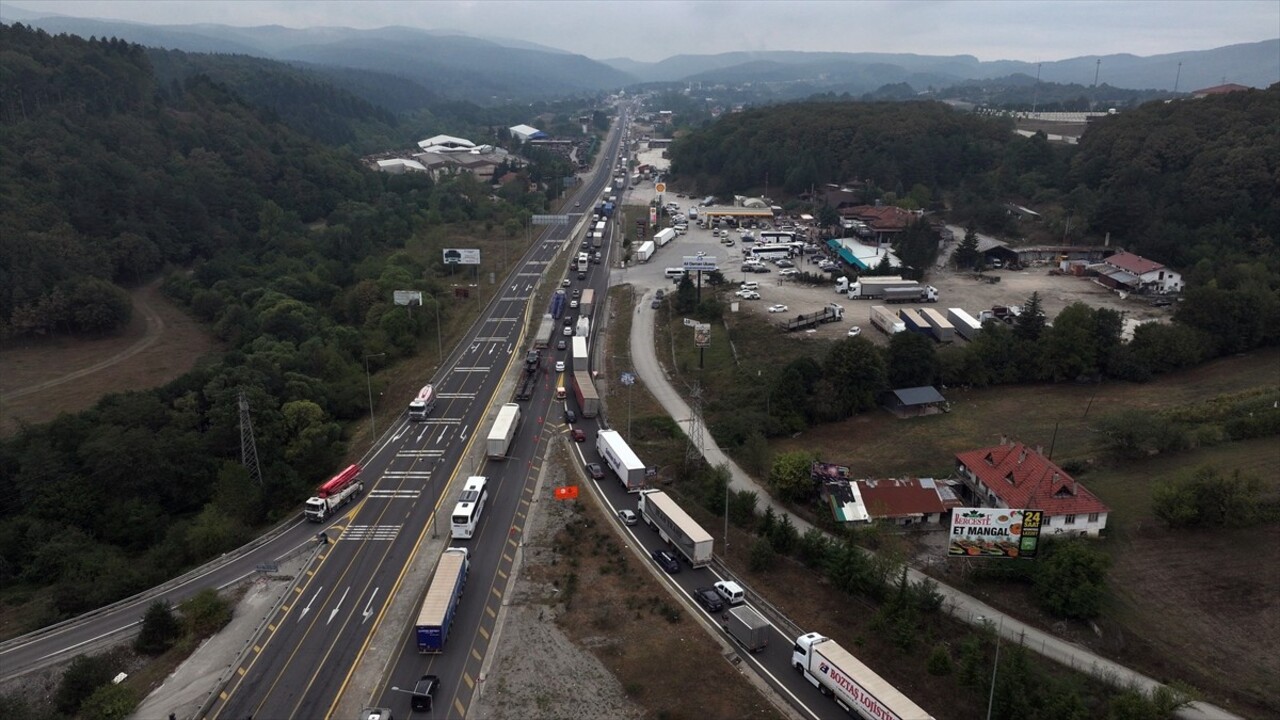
pixel 368 383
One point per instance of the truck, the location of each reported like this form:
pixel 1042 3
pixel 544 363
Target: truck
pixel 333 494
pixel 693 213
pixel 580 353
pixel 747 627
pixel 587 303
pixel 597 238
pixel 583 328
pixel 584 391
pixel 441 602
pixel 873 287
pixel 529 375
pixel 915 322
pixel 854 686
pixel 842 285
pixel 965 324
pixel 831 313
pixel 503 430
pixel 664 236
pixel 607 210
pixel 675 527
pixel 943 331
pixel 542 340
pixel 621 459
pixel 885 319
pixel 645 251
pixel 423 403
pixel 558 303
pixel 918 293
pixel 583 263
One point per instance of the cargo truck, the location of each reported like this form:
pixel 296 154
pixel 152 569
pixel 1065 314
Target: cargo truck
pixel 676 527
pixel 336 492
pixel 503 430
pixel 965 324
pixel 918 293
pixel 583 263
pixel 583 328
pixel 542 340
pixel 831 313
pixel 915 322
pixel 747 627
pixel 441 602
pixel 529 375
pixel 621 459
pixel 598 238
pixel 558 302
pixel 873 287
pixel 664 236
pixel 423 404
pixel 854 687
pixel 885 319
pixel 584 391
pixel 588 303
pixel 645 252
pixel 581 354
pixel 943 331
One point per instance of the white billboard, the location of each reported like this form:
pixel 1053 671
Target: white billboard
pixel 705 263
pixel 462 256
pixel 408 297
pixel 995 532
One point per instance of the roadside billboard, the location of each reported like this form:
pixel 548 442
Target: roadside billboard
pixel 995 532
pixel 461 256
pixel 701 263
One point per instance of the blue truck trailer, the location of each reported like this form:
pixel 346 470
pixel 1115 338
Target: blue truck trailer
pixel 441 603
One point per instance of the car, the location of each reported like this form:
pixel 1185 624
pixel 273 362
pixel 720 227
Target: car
pixel 749 295
pixel 784 263
pixel 568 330
pixel 578 204
pixel 628 517
pixel 564 283
pixel 575 294
pixel 424 693
pixel 582 276
pixel 855 331
pixel 1161 302
pixel 584 245
pixel 597 473
pixel 702 253
pixel 779 308
pixel 598 256
pixel 788 272
pixel 659 294
pixel 559 366
pixel 568 320
pixel 762 269
pixel 579 435
pixel 654 304
pixel 570 416
pixel 709 599
pixel 573 304
pixel 731 592
pixel 666 561
pixel 561 344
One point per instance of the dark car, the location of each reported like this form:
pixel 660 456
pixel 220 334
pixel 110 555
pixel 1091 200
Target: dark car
pixel 1161 302
pixel 579 435
pixel 424 693
pixel 666 561
pixel 576 294
pixel 709 599
pixel 595 471
pixel 560 344
pixel 655 303
pixel 659 294
pixel 570 416
pixel 582 276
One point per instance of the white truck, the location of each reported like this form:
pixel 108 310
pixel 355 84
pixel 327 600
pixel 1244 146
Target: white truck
pixel 621 459
pixel 965 324
pixel 583 328
pixel 854 686
pixel 873 287
pixel 333 494
pixel 676 527
pixel 423 404
pixel 886 319
pixel 546 329
pixel 664 236
pixel 503 430
pixel 645 252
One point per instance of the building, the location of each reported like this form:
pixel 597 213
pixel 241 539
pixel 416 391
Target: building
pixel 446 144
pixel 399 166
pixel 914 402
pixel 1218 90
pixel 525 133
pixel 1127 271
pixel 481 161
pixel 884 221
pixel 863 256
pixel 1013 475
pixel 907 501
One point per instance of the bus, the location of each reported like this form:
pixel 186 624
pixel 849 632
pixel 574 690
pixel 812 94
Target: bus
pixel 466 514
pixel 771 251
pixel 781 237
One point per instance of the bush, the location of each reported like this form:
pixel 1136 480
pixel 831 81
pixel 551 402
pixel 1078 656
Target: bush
pixel 762 555
pixel 940 661
pixel 1208 498
pixel 109 702
pixel 1071 579
pixel 160 630
pixel 783 536
pixel 83 676
pixel 814 548
pixel 205 613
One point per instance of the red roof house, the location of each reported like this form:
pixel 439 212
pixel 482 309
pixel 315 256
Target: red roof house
pixel 1016 476
pixel 1141 274
pixel 906 501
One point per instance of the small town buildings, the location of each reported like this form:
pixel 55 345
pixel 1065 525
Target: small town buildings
pixel 525 133
pixel 1127 271
pixel 1013 475
pixel 914 402
pixel 883 222
pixel 400 166
pixel 907 501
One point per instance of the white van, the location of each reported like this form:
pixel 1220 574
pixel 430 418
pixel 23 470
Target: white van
pixel 731 591
pixel 750 285
pixel 674 272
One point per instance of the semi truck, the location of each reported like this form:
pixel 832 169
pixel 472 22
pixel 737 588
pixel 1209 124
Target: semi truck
pixel 917 293
pixel 747 627
pixel 885 319
pixel 587 304
pixel 584 391
pixel 529 375
pixel 915 322
pixel 943 331
pixel 645 252
pixel 503 430
pixel 621 459
pixel 423 404
pixel 854 686
pixel 598 238
pixel 664 236
pixel 441 602
pixel 873 287
pixel 583 328
pixel 558 302
pixel 831 313
pixel 542 340
pixel 607 210
pixel 333 494
pixel 580 353
pixel 965 324
pixel 675 527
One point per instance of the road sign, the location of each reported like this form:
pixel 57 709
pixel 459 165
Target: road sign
pixel 705 263
pixel 462 256
pixel 660 187
pixel 550 220
pixel 702 335
pixel 628 379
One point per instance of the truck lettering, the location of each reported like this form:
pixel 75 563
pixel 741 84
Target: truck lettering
pixel 856 693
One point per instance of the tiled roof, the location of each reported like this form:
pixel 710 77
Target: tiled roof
pixel 1135 264
pixel 900 497
pixel 883 217
pixel 1023 478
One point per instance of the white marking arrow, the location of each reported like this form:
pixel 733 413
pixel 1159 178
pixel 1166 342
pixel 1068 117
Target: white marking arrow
pixel 307 609
pixel 338 607
pixel 368 609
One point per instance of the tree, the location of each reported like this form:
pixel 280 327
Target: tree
pixel 1072 343
pixel 1071 579
pixel 205 613
pixel 1030 324
pixel 912 361
pixel 855 370
pixel 160 629
pixel 789 476
pixel 85 674
pixel 763 555
pixel 109 702
pixel 686 296
pixel 966 253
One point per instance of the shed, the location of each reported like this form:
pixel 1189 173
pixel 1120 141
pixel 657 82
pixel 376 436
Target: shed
pixel 914 402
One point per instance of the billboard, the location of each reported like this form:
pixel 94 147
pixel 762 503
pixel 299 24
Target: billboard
pixel 408 297
pixel 704 263
pixel 462 256
pixel 995 532
pixel 702 335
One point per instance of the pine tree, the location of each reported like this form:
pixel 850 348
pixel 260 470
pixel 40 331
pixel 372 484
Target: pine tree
pixel 966 254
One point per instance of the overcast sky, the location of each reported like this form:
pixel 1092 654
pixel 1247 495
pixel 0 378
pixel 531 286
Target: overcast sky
pixel 650 31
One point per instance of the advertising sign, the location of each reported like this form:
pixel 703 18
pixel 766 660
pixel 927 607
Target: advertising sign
pixel 653 215
pixel 702 335
pixel 995 532
pixel 408 297
pixel 550 220
pixel 705 263
pixel 462 256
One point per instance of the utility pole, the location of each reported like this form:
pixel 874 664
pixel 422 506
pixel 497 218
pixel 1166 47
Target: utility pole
pixel 1177 78
pixel 248 446
pixel 368 382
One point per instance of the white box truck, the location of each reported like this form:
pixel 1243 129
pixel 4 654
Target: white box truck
pixel 887 320
pixel 664 236
pixel 676 527
pixel 503 430
pixel 747 627
pixel 965 324
pixel 851 684
pixel 645 251
pixel 621 459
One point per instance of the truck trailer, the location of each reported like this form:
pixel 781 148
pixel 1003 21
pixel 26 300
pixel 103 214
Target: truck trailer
pixel 583 328
pixel 441 602
pixel 584 391
pixel 915 322
pixel 916 293
pixel 423 404
pixel 645 252
pixel 885 319
pixel 854 687
pixel 747 627
pixel 580 354
pixel 664 236
pixel 965 324
pixel 676 527
pixel 542 340
pixel 336 492
pixel 529 375
pixel 867 287
pixel 588 303
pixel 831 313
pixel 558 303
pixel 943 331
pixel 503 430
pixel 621 459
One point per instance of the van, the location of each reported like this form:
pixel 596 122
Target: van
pixel 731 591
pixel 750 285
pixel 560 392
pixel 674 272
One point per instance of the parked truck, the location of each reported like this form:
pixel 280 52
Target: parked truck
pixel 441 602
pixel 747 627
pixel 503 430
pixel 915 322
pixel 854 686
pixel 917 293
pixel 867 287
pixel 966 325
pixel 943 331
pixel 831 313
pixel 645 252
pixel 584 391
pixel 529 375
pixel 587 303
pixel 333 494
pixel 676 527
pixel 542 340
pixel 423 404
pixel 664 236
pixel 621 459
pixel 885 319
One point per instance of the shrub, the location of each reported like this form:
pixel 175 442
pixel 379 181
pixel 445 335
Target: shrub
pixel 1071 578
pixel 160 629
pixel 762 555
pixel 940 661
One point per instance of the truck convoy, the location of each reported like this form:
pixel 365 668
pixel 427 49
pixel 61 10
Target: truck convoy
pixel 664 236
pixel 503 430
pixel 584 391
pixel 851 684
pixel 529 375
pixel 885 319
pixel 831 313
pixel 441 603
pixel 747 627
pixel 423 404
pixel 645 252
pixel 338 491
pixel 676 527
pixel 542 340
pixel 621 459
pixel 966 325
pixel 943 331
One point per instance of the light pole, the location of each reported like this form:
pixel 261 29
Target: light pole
pixel 368 383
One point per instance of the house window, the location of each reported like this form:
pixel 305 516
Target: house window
pixel 1093 517
pixel 1069 520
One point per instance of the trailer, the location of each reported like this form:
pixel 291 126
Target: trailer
pixel 885 319
pixel 747 627
pixel 584 391
pixel 664 236
pixel 867 287
pixel 333 494
pixel 966 325
pixel 621 459
pixel 917 293
pixel 915 322
pixel 529 375
pixel 943 331
pixel 422 405
pixel 853 685
pixel 441 602
pixel 587 304
pixel 675 527
pixel 502 432
pixel 580 353
pixel 831 313
pixel 645 251
pixel 558 303
pixel 583 328
pixel 542 340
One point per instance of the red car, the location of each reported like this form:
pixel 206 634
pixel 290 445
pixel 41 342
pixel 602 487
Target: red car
pixel 579 435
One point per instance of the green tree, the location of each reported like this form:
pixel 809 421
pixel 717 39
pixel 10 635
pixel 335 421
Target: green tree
pixel 855 372
pixel 814 548
pixel 742 508
pixel 939 663
pixel 205 613
pixel 1072 343
pixel 109 702
pixel 790 475
pixel 912 361
pixel 1030 325
pixel 966 252
pixel 1070 579
pixel 763 556
pixel 686 296
pixel 85 674
pixel 783 536
pixel 160 629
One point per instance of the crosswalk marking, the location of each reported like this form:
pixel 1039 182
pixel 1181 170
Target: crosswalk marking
pixel 419 453
pixel 401 474
pixel 472 369
pixel 395 494
pixel 371 532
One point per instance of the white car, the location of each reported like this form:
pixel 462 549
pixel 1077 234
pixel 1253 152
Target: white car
pixel 855 331
pixel 749 294
pixel 573 304
pixel 779 308
pixel 559 366
pixel 787 272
